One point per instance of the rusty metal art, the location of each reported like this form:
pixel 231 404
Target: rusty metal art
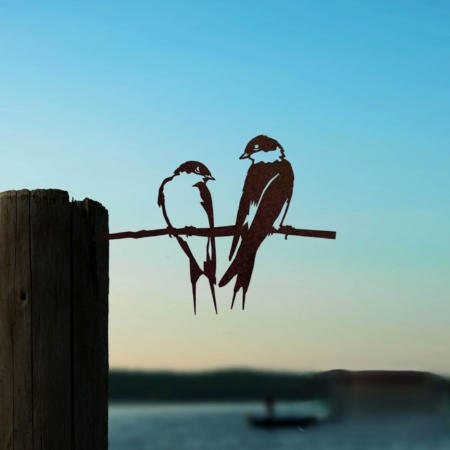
pixel 264 204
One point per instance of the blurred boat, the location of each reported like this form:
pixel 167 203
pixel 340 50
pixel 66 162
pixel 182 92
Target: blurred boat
pixel 282 422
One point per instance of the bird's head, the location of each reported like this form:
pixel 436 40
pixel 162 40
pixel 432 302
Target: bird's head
pixel 261 143
pixel 197 168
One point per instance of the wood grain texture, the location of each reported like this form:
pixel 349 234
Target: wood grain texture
pixel 50 261
pixel 83 298
pixel 53 322
pixel 101 361
pixel 90 325
pixel 7 287
pixel 22 330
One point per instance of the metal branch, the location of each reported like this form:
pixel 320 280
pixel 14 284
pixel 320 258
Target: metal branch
pixel 223 231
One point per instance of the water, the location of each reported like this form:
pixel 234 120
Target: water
pixel 222 427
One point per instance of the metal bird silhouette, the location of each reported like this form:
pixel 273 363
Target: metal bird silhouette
pixel 267 191
pixel 188 206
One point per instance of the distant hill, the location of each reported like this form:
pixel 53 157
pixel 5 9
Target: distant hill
pixel 226 385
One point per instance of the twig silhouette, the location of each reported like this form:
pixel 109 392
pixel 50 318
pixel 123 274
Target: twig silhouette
pixel 224 231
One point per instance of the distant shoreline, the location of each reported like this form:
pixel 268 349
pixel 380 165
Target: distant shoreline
pixel 226 386
pixel 215 386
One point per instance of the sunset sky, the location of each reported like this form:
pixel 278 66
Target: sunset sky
pixel 105 100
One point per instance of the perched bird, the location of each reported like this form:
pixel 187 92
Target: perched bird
pixel 186 201
pixel 265 198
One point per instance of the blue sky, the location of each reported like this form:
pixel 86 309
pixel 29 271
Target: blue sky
pixel 106 100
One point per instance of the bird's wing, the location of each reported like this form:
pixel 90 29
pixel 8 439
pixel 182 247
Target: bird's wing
pixel 206 202
pixel 274 200
pixel 259 176
pixel 275 195
pixel 244 208
pixel 286 188
pixel 210 261
pixel 254 185
pixel 183 205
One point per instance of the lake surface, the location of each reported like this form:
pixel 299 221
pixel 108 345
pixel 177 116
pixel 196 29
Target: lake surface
pixel 222 427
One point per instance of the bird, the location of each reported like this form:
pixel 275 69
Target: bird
pixel 265 200
pixel 182 207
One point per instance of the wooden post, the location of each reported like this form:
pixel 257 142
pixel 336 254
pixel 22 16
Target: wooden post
pixel 53 322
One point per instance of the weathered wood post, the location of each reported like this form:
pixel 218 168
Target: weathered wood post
pixel 53 322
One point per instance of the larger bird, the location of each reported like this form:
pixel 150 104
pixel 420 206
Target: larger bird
pixel 265 199
pixel 186 201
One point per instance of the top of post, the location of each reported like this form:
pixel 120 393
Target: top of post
pixel 36 192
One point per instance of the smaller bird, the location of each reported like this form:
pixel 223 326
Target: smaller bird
pixel 182 205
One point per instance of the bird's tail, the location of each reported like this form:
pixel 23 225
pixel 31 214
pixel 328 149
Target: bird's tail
pixel 209 270
pixel 231 272
pixel 242 267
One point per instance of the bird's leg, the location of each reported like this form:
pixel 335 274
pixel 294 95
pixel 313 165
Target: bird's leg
pixel 188 230
pixel 286 230
pixel 171 230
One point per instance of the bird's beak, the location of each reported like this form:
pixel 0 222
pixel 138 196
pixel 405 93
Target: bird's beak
pixel 209 177
pixel 244 156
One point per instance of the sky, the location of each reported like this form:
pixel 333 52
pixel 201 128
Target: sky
pixel 106 99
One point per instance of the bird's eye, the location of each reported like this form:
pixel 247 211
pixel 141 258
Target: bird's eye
pixel 197 170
